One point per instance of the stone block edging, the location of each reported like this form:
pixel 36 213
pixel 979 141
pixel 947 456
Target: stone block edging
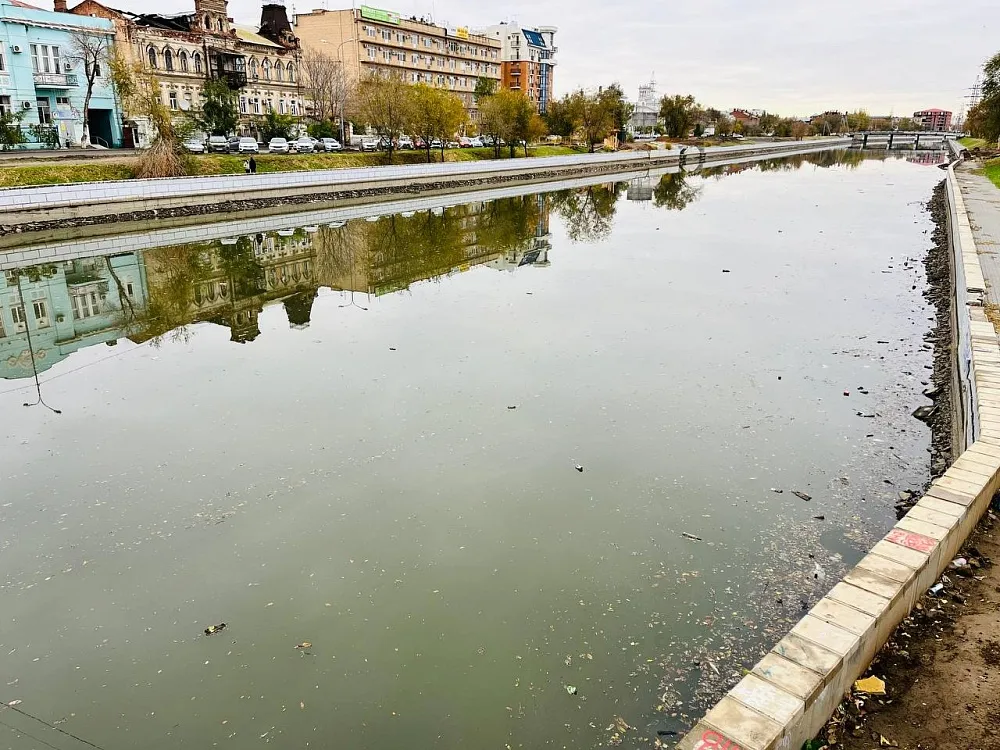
pixel 792 692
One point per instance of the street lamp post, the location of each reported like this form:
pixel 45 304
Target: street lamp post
pixel 343 79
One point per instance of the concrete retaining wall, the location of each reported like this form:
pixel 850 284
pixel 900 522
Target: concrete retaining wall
pixel 27 205
pixel 791 693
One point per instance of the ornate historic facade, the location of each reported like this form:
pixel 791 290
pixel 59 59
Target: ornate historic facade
pixel 186 50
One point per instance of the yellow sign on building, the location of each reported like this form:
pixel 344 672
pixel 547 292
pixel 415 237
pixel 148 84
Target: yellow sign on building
pixel 462 32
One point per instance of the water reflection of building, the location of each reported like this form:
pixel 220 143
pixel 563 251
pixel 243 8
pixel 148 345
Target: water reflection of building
pixel 65 307
pixel 229 281
pixel 640 189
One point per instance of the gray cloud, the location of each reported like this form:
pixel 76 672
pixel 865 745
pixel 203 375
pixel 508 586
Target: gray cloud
pixel 785 56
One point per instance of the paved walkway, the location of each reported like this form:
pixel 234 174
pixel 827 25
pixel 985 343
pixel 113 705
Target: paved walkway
pixel 982 201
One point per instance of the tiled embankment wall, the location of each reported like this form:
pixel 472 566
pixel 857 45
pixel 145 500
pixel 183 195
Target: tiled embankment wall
pixel 791 693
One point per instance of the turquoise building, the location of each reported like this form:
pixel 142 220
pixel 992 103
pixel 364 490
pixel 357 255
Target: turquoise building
pixel 49 311
pixel 43 79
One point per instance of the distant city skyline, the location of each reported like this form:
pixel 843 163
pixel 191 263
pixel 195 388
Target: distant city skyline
pixel 790 58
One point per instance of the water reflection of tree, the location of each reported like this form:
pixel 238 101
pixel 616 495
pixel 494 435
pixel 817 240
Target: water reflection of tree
pixel 397 250
pixel 172 274
pixel 241 267
pixel 674 192
pixel 588 212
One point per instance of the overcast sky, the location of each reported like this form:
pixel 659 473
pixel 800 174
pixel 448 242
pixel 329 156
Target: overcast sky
pixel 786 56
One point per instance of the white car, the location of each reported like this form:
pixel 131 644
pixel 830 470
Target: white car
pixel 436 143
pixel 404 142
pixel 194 146
pixel 247 146
pixel 477 142
pixel 278 146
pixel 369 144
pixel 304 145
pixel 329 144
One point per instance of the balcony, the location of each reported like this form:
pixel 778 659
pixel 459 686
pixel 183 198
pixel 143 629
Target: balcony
pixel 56 80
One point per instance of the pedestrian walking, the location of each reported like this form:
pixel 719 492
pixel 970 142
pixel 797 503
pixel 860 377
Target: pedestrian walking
pixel 246 166
pixel 253 165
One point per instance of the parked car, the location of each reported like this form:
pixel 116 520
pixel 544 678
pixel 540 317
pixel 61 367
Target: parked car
pixel 451 144
pixel 465 142
pixel 436 143
pixel 477 142
pixel 404 142
pixel 419 142
pixel 329 144
pixel 304 145
pixel 194 146
pixel 218 144
pixel 247 145
pixel 370 144
pixel 278 146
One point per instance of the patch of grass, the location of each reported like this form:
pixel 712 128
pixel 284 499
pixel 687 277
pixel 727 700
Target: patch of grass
pixel 223 164
pixel 971 143
pixel 54 175
pixel 992 170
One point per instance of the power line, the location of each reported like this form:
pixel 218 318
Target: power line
pixel 22 733
pixel 51 726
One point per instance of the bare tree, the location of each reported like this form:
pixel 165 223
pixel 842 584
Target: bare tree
pixel 91 48
pixel 326 85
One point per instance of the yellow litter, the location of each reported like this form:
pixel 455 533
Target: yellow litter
pixel 870 685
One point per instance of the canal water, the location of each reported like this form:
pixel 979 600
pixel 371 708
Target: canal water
pixel 513 474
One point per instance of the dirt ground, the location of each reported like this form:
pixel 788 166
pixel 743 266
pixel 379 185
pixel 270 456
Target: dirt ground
pixel 941 667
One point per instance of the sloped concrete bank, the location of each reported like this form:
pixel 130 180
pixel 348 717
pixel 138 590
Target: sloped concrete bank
pixel 789 695
pixel 54 206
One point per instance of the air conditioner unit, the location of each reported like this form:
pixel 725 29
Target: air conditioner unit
pixel 67 67
pixel 16 48
pixel 26 105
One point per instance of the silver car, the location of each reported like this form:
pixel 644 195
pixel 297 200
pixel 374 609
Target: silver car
pixel 304 145
pixel 329 144
pixel 247 146
pixel 278 146
pixel 194 146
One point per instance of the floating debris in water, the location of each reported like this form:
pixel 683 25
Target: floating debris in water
pixel 304 644
pixel 802 495
pixel 213 629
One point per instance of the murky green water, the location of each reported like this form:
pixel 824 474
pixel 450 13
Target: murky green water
pixel 364 436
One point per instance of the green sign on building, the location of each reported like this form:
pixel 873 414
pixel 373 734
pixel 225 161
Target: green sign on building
pixel 375 14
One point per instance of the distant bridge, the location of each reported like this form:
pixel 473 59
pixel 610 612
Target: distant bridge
pixel 912 139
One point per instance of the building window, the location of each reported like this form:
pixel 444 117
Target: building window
pixel 129 290
pixel 183 59
pixel 151 52
pixel 44 110
pixel 221 28
pixel 41 310
pixel 3 64
pixel 254 69
pixel 168 60
pixel 371 53
pixel 267 70
pixel 62 100
pixel 243 105
pixel 86 305
pixel 295 109
pixel 172 99
pixel 256 106
pixel 197 63
pixel 188 103
pixel 279 71
pixel 270 105
pixel 5 105
pixel 45 58
pixel 208 22
pixel 2 332
pixel 17 313
pixel 291 73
